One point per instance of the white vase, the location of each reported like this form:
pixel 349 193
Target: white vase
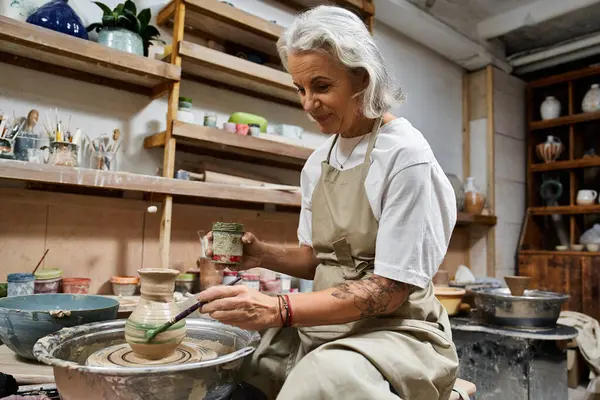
pixel 591 100
pixel 550 108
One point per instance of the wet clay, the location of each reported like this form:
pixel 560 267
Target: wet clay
pixel 156 307
pixel 122 355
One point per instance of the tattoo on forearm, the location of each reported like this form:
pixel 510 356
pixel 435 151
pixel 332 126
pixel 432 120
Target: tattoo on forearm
pixel 373 295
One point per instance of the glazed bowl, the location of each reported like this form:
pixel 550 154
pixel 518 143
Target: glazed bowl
pixel 25 319
pixel 450 297
pixel 577 247
pixel 562 248
pixel 67 351
pixel 593 247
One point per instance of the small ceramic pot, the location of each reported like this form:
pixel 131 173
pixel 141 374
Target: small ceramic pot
pixel 591 100
pixel 48 280
pixel 156 307
pixel 550 108
pixel 227 243
pixel 76 285
pixel 229 276
pixel 20 284
pixel 577 247
pixel 586 197
pixel 561 248
pixel 122 39
pixel 450 297
pixel 124 285
pixel 517 284
pixel 251 280
pixel 550 150
pixel 594 247
pixel 184 283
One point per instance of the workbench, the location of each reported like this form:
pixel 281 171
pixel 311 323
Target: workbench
pixel 506 363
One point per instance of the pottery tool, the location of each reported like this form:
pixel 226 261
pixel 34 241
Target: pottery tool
pixel 40 262
pixel 151 333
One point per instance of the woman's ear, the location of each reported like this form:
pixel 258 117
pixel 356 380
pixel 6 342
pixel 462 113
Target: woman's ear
pixel 361 79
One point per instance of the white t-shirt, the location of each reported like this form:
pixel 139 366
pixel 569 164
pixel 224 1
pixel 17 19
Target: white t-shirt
pixel 409 193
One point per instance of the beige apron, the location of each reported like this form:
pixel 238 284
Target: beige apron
pixel 410 350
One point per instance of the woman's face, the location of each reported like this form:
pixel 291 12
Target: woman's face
pixel 326 91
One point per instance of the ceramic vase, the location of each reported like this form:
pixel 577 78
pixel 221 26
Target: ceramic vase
pixel 474 198
pixel 550 108
pixel 156 306
pixel 591 100
pixel 122 39
pixel 550 150
pixel 58 16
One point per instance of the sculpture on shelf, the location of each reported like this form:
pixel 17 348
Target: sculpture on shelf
pixel 591 100
pixel 550 150
pixel 123 30
pixel 58 16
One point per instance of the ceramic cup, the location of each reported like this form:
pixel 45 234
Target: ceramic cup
pixel 586 197
pixel 592 247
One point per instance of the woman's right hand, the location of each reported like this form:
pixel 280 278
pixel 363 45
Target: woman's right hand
pixel 253 251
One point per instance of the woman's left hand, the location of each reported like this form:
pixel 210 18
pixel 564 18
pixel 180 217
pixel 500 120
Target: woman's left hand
pixel 241 306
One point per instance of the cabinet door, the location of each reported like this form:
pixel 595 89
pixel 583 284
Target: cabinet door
pixel 556 273
pixel 591 287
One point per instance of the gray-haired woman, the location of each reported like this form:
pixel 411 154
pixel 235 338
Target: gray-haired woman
pixel 376 219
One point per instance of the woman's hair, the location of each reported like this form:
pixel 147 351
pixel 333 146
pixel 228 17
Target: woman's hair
pixel 344 37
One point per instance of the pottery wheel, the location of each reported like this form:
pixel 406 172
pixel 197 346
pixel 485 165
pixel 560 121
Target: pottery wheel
pixel 121 355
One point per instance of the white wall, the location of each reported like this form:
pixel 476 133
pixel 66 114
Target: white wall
pixel 510 167
pixel 431 83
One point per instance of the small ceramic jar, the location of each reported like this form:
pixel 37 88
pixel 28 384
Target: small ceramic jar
pixel 242 129
pixel 550 108
pixel 210 120
pixel 48 280
pixel 184 283
pixel 124 285
pixel 254 129
pixel 229 127
pixel 229 276
pixel 251 280
pixel 591 100
pixel 21 284
pixel 586 197
pixel 76 285
pixel 227 243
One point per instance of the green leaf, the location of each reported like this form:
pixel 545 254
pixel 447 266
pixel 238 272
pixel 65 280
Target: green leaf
pixel 119 9
pixel 124 22
pixel 130 5
pixel 135 23
pixel 95 26
pixel 105 9
pixel 144 16
pixel 109 20
pixel 150 32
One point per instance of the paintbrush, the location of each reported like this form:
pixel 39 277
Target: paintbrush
pixel 40 263
pixel 151 333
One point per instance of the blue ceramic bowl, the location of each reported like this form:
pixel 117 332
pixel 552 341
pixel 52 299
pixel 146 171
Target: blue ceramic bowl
pixel 25 319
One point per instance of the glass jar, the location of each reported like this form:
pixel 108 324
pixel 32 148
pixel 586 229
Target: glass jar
pixel 63 153
pixel 251 280
pixel 229 276
pixel 6 150
pixel 227 243
pixel 28 147
pixel 48 280
pixel 103 160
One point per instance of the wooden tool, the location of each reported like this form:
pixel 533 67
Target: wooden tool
pixel 151 333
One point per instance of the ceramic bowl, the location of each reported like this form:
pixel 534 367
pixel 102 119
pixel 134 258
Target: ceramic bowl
pixel 577 247
pixel 562 248
pixel 450 298
pixel 517 284
pixel 593 247
pixel 28 318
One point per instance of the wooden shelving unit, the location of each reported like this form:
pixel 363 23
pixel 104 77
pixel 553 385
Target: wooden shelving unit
pixel 44 50
pixel 364 8
pixel 570 271
pixel 202 139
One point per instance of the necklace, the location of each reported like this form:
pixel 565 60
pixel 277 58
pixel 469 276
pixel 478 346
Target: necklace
pixel 351 151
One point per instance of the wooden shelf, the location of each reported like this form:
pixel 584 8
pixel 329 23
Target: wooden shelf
pixel 44 50
pixel 559 253
pixel 567 120
pixel 89 178
pixel 204 140
pixel 364 7
pixel 475 219
pixel 565 210
pixel 569 164
pixel 214 18
pixel 242 76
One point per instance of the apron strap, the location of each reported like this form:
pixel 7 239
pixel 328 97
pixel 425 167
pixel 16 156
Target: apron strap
pixel 373 138
pixel 461 393
pixel 331 148
pixel 343 253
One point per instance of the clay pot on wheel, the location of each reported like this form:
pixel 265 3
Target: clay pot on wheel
pixel 156 306
pixel 517 284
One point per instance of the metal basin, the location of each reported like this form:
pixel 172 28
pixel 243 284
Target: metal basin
pixel 535 309
pixel 68 350
pixel 25 319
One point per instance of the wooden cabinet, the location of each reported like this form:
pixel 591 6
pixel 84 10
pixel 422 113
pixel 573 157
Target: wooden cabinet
pixel 577 275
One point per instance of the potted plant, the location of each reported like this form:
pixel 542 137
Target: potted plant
pixel 122 29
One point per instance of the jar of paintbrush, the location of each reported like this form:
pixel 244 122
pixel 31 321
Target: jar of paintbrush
pixel 63 153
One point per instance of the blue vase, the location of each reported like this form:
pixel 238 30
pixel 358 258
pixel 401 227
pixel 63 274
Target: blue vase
pixel 58 16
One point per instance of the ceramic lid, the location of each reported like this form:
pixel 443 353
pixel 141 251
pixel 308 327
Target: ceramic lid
pixel 185 277
pixel 230 273
pixel 20 277
pixel 48 273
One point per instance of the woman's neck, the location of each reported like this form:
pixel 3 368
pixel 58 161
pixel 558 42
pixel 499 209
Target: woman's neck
pixel 364 126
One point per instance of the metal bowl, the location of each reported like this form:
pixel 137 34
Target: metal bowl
pixel 535 309
pixel 68 350
pixel 25 319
